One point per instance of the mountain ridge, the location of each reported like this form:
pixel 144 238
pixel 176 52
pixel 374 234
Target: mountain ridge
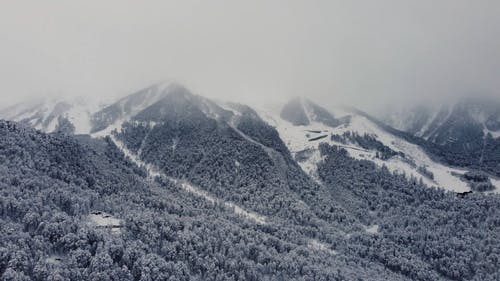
pixel 152 104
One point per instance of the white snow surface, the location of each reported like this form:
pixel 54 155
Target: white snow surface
pixel 80 115
pixel 427 125
pixel 80 111
pixel 494 134
pixel 496 183
pixel 105 220
pixel 428 132
pixel 296 139
pixel 54 260
pixel 320 246
pixel 109 130
pixel 153 95
pixel 372 229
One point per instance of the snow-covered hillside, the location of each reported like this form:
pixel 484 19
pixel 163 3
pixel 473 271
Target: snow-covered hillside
pixel 113 116
pixel 305 139
pixel 45 114
pixel 430 121
pixel 86 115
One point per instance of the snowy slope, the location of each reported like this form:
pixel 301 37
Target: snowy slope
pixel 429 120
pixel 421 120
pixel 298 139
pixel 114 115
pixel 87 116
pixel 44 114
pixel 317 127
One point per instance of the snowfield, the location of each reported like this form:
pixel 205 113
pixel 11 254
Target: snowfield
pixel 104 220
pixel 43 114
pixel 298 138
pixel 320 246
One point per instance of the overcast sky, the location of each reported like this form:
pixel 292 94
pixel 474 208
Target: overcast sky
pixel 357 52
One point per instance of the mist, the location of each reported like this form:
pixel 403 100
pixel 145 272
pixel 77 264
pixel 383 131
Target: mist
pixel 364 53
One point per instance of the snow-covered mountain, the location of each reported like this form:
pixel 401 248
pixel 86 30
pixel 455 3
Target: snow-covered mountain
pixel 465 133
pixel 51 114
pixel 149 104
pixel 122 110
pixel 86 116
pixel 303 132
pixel 302 125
pixel 300 111
pixel 181 182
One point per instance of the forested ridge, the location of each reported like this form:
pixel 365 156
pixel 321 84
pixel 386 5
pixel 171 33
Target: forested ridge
pixel 48 195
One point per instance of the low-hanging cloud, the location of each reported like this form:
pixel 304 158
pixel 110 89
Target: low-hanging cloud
pixel 357 52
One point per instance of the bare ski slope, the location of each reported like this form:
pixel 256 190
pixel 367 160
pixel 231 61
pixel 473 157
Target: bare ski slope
pixel 299 138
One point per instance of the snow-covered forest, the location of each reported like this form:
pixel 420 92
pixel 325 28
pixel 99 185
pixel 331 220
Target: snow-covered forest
pixel 363 222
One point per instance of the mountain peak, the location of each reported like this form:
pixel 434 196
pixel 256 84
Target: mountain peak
pixel 45 114
pixel 302 112
pixel 294 112
pixel 131 105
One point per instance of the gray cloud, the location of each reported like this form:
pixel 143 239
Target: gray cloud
pixel 359 52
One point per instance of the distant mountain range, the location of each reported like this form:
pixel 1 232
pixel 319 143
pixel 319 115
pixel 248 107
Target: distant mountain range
pixel 446 123
pixel 465 133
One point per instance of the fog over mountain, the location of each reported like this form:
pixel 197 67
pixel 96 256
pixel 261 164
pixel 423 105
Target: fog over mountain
pixel 365 53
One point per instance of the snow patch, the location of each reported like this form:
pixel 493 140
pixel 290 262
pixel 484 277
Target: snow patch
pixel 319 246
pixel 443 176
pixel 54 260
pixel 105 220
pixel 372 229
pixel 494 134
pixel 209 109
pixel 496 183
pixel 151 170
pixel 427 125
pixel 149 97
